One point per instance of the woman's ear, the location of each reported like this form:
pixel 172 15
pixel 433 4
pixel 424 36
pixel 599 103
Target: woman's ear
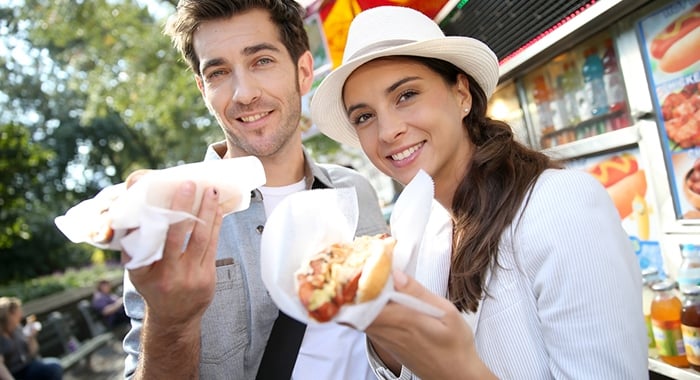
pixel 465 97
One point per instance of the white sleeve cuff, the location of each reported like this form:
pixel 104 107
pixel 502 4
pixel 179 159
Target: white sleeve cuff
pixel 380 369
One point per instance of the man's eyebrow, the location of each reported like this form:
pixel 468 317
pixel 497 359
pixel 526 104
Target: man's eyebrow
pixel 250 50
pixel 210 63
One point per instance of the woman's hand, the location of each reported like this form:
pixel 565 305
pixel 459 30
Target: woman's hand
pixel 432 348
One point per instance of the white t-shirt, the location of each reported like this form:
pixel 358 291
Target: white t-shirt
pixel 329 350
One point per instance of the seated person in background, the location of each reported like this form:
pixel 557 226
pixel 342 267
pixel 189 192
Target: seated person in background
pixel 109 305
pixel 19 352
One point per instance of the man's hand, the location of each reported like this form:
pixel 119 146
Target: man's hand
pixel 432 348
pixel 178 289
pixel 180 286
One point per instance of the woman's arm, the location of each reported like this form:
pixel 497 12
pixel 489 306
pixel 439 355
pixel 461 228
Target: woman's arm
pixel 432 348
pixel 4 372
pixel 585 279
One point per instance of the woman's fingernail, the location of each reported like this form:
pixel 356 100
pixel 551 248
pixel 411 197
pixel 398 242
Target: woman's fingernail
pixel 400 279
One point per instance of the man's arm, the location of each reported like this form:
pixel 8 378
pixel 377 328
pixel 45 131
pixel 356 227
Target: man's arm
pixel 112 307
pixel 169 350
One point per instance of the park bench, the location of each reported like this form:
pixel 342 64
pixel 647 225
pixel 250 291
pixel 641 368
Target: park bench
pixel 57 339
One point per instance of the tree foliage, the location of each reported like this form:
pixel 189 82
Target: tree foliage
pixel 91 91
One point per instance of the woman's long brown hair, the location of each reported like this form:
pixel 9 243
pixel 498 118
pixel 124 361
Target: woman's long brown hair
pixel 490 194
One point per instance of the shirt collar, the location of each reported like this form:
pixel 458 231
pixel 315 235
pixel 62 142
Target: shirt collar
pixel 315 176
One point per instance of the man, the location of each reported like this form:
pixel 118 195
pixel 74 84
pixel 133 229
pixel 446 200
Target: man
pixel 202 311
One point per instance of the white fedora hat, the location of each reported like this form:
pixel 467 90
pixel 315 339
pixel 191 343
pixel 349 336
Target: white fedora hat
pixel 390 31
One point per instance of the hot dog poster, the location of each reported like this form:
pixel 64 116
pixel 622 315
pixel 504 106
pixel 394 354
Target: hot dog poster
pixel 624 178
pixel 671 50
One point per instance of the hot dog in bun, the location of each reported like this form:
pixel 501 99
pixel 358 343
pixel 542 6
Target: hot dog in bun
pixel 622 179
pixel 347 273
pixel 678 45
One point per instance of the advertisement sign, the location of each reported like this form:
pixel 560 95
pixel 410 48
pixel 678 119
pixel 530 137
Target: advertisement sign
pixel 624 177
pixel 318 44
pixel 671 50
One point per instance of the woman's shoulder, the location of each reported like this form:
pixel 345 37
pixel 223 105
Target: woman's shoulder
pixel 567 184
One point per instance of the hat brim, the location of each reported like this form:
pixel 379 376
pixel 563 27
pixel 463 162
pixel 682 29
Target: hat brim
pixel 470 55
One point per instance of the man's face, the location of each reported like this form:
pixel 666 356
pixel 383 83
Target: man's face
pixel 250 83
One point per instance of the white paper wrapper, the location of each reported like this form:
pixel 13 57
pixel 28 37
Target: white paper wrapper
pixel 306 222
pixel 145 206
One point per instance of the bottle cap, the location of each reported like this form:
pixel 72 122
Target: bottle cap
pixel 691 291
pixel 689 250
pixel 663 285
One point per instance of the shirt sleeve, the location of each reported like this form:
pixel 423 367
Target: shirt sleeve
pixel 381 371
pixel 134 306
pixel 585 278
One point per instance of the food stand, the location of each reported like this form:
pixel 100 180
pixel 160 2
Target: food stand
pixel 598 89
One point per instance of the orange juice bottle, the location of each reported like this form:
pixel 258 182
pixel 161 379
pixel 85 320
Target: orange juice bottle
pixel 666 322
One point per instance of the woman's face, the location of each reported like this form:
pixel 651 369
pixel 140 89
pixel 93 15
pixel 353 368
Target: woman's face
pixel 408 118
pixel 14 319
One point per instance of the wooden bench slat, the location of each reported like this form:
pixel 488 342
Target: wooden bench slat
pixel 85 349
pixel 57 332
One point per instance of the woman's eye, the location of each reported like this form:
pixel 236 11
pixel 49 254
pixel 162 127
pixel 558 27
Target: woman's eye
pixel 360 119
pixel 407 95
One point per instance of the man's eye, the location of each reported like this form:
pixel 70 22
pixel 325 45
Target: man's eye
pixel 264 61
pixel 215 74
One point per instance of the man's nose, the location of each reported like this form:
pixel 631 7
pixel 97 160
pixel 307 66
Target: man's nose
pixel 246 89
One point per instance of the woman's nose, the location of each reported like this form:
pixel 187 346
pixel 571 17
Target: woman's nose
pixel 391 127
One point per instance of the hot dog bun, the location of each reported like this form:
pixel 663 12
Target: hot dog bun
pixel 678 45
pixel 344 274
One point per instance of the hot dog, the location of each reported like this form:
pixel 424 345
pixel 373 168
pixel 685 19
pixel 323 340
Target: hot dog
pixel 614 169
pixel 159 194
pixel 146 196
pixel 678 45
pixel 622 179
pixel 342 274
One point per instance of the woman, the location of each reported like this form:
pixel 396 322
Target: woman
pixel 19 351
pixel 543 281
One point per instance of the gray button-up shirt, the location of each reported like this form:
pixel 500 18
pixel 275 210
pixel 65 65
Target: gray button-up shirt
pixel 237 324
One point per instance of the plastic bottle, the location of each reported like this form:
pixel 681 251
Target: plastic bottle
pixel 649 277
pixel 614 85
pixel 690 326
pixel 570 85
pixel 543 99
pixel 688 275
pixel 666 311
pixel 560 118
pixel 594 84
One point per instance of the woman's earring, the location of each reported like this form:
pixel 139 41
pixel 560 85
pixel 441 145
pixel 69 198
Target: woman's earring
pixel 467 109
